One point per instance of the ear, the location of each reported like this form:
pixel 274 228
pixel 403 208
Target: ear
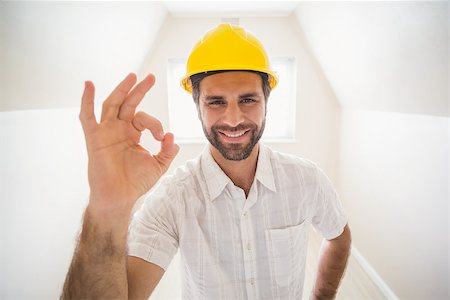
pixel 265 107
pixel 199 113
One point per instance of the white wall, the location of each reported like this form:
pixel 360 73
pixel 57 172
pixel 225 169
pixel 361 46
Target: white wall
pixel 43 183
pixel 393 175
pixel 2 17
pixel 380 58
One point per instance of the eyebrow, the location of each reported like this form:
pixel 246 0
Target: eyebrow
pixel 213 97
pixel 243 96
pixel 249 95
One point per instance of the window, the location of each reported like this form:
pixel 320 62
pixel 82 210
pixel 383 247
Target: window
pixel 186 126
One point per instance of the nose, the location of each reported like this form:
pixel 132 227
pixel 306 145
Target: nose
pixel 233 115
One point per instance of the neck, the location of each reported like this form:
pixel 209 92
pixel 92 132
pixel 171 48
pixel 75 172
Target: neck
pixel 241 172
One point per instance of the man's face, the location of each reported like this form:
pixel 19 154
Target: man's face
pixel 232 109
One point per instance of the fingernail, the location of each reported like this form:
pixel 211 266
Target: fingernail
pixel 161 135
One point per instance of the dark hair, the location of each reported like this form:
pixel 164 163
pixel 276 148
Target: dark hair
pixel 196 78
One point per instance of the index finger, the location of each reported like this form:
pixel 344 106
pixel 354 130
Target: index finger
pixel 142 121
pixel 87 116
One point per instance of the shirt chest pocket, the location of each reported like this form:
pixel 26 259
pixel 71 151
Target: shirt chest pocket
pixel 287 252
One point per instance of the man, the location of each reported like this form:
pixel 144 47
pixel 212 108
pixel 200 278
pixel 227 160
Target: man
pixel 238 214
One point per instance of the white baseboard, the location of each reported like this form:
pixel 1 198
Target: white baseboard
pixel 379 282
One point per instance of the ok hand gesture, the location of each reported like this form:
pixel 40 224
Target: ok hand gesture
pixel 120 169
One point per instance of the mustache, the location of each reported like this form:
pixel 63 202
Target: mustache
pixel 240 127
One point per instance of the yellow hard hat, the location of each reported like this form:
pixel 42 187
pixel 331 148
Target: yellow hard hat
pixel 227 47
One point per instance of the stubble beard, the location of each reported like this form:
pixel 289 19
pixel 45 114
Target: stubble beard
pixel 235 151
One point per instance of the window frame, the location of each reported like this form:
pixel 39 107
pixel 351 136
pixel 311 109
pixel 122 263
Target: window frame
pixel 175 69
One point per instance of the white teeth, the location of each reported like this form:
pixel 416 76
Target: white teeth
pixel 235 135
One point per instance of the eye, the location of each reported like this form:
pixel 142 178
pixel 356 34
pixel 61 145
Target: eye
pixel 216 103
pixel 248 100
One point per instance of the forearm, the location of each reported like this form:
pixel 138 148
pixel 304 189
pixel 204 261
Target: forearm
pixel 98 268
pixel 332 264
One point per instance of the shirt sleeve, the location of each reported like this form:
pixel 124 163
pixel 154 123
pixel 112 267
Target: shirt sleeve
pixel 329 217
pixel 153 234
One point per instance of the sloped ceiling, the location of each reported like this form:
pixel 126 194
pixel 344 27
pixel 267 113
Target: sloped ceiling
pixel 50 48
pixel 230 9
pixel 387 56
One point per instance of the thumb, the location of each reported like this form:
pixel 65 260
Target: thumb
pixel 168 150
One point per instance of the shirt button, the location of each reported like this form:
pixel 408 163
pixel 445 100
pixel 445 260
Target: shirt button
pixel 249 247
pixel 244 214
pixel 252 281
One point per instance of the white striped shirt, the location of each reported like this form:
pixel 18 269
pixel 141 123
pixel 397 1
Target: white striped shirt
pixel 232 247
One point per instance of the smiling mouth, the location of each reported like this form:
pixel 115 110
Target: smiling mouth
pixel 234 134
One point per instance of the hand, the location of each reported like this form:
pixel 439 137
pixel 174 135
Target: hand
pixel 120 170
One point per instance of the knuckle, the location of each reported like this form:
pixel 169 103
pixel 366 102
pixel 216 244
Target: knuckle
pixel 140 114
pixel 109 103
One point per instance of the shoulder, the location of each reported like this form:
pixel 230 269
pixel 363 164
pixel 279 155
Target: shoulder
pixel 171 191
pixel 292 167
pixel 285 159
pixel 184 176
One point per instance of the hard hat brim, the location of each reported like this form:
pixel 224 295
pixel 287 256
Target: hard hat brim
pixel 186 82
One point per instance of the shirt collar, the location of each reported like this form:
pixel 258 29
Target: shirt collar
pixel 216 180
pixel 264 172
